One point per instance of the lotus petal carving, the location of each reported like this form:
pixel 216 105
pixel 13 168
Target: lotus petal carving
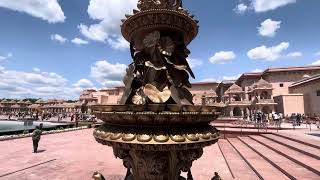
pixel 155 95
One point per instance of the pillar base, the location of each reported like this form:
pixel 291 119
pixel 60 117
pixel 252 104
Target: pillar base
pixel 157 165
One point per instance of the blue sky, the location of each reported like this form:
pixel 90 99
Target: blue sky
pixel 54 49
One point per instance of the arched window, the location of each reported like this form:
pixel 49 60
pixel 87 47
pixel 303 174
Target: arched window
pixel 237 111
pixel 236 97
pixel 265 95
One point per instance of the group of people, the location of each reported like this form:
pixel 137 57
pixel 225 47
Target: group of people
pixel 276 118
pixel 45 116
pixel 260 117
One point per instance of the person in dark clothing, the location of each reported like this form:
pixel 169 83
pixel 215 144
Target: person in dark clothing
pixel 189 175
pixel 98 176
pixel 216 176
pixel 299 119
pixel 36 138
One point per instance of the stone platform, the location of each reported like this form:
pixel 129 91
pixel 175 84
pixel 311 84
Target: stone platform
pixel 76 155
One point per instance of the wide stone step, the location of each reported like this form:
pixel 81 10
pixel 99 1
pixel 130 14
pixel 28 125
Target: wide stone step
pixel 308 150
pixel 261 167
pixel 291 169
pixel 304 160
pixel 300 139
pixel 238 167
pixel 211 161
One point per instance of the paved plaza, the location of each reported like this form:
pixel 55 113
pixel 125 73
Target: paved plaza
pixel 76 155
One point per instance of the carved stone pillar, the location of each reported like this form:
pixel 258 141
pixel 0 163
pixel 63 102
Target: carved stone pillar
pixel 156 129
pixel 160 165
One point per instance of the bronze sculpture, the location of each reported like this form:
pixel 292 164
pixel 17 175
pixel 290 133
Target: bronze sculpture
pixel 157 131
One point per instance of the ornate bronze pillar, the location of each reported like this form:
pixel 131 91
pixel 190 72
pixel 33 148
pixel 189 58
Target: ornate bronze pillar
pixel 157 131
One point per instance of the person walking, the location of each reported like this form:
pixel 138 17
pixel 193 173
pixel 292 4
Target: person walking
pixel 216 176
pixel 36 138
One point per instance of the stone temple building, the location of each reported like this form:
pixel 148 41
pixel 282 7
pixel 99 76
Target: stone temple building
pixel 283 90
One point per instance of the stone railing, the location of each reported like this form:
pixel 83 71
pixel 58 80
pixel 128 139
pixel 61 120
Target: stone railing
pixel 244 102
pixel 265 101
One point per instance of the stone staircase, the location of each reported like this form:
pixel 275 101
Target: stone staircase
pixel 271 156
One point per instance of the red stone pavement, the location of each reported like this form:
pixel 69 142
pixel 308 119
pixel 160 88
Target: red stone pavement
pixel 76 155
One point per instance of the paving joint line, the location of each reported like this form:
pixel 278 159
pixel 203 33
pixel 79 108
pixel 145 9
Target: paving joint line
pixel 3 175
pixel 248 163
pixel 269 161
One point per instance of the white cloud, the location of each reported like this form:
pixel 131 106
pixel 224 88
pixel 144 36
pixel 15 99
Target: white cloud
pixel 261 5
pixel 35 69
pixel 194 62
pixel 269 27
pixel 210 80
pixel 2 58
pixel 109 13
pixel 48 10
pixel 119 43
pixel 234 77
pixel 221 78
pixel 83 83
pixel 294 54
pixel 5 57
pixel 316 63
pixel 58 38
pixel 268 53
pixel 317 54
pixel 267 5
pixel 241 8
pixel 257 70
pixel 108 74
pixel 79 41
pixel 222 57
pixel 37 84
pixel 1 69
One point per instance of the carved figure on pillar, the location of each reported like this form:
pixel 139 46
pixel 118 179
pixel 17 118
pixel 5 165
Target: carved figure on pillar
pixel 157 130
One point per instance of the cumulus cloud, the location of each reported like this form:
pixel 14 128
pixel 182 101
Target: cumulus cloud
pixel 295 54
pixel 222 57
pixel 79 41
pixel 257 70
pixel 36 84
pixel 108 74
pixel 109 13
pixel 268 53
pixel 233 77
pixel 119 43
pixel 37 70
pixel 316 63
pixel 83 83
pixel 262 5
pixel 267 5
pixel 194 62
pixel 5 57
pixel 58 38
pixel 48 10
pixel 210 80
pixel 317 54
pixel 241 8
pixel 269 27
pixel 221 78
